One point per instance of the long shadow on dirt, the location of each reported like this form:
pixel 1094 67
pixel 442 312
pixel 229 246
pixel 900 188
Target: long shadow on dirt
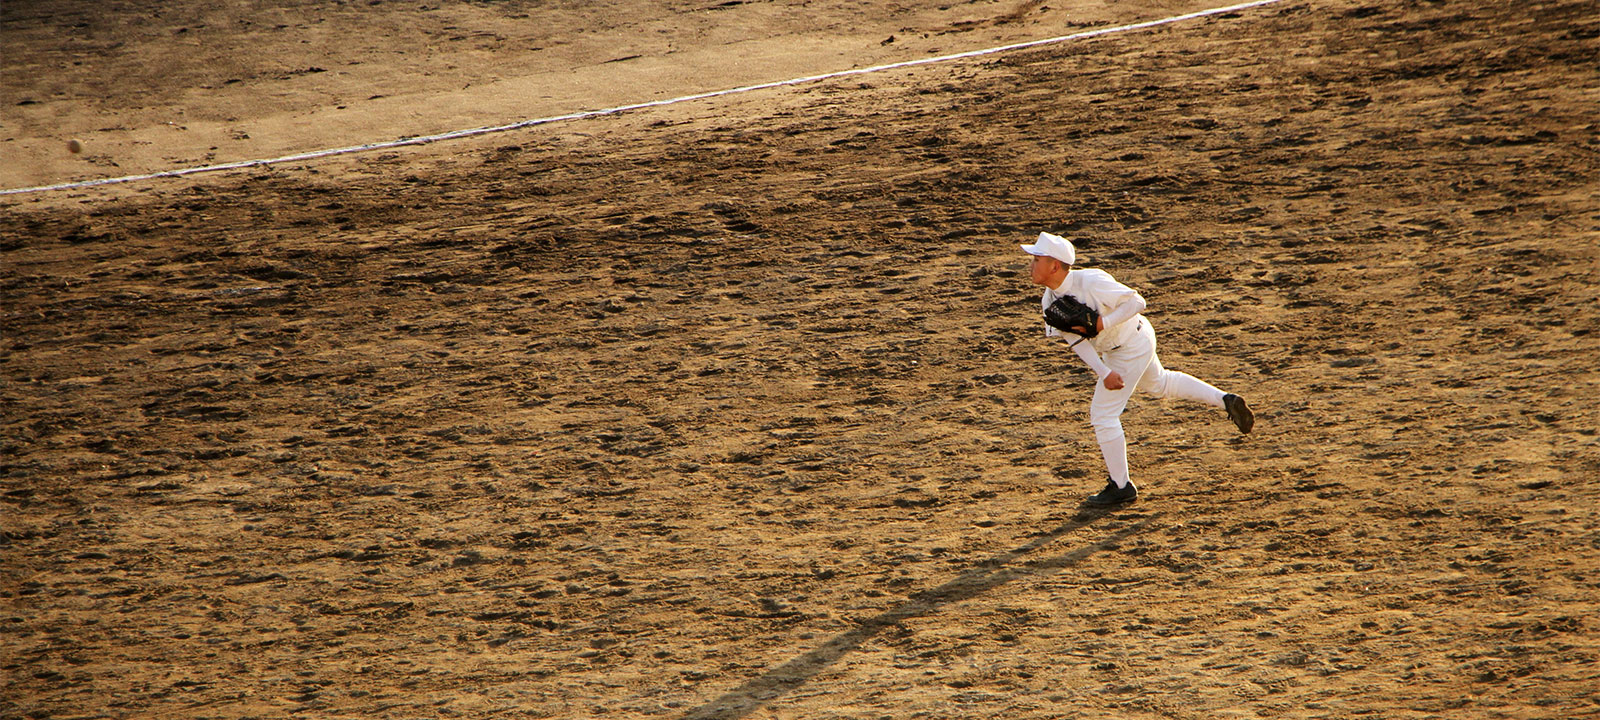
pixel 985 576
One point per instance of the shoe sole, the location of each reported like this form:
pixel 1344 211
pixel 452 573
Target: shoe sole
pixel 1091 500
pixel 1242 416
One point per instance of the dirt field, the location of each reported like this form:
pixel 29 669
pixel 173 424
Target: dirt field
pixel 741 408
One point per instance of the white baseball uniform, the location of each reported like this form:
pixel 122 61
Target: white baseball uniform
pixel 1127 345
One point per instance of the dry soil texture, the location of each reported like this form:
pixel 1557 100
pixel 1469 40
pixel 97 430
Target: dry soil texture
pixel 742 408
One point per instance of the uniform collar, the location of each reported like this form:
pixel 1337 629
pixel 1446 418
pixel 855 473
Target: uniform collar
pixel 1065 283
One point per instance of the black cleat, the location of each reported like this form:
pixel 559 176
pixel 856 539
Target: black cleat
pixel 1239 412
pixel 1113 495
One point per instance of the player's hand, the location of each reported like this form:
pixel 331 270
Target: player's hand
pixel 1113 381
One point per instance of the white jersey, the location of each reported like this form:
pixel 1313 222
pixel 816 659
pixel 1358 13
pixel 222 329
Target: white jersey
pixel 1100 291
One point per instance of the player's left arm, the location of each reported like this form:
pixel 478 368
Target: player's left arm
pixel 1124 302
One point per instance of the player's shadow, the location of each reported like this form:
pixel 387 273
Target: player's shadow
pixel 983 577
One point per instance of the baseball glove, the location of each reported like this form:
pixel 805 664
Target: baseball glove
pixel 1067 314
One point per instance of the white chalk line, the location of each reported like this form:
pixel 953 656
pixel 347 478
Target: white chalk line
pixel 456 134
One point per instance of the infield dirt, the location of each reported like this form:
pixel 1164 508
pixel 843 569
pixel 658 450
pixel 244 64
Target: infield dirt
pixel 742 408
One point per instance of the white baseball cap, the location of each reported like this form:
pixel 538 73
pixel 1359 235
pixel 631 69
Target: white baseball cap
pixel 1052 246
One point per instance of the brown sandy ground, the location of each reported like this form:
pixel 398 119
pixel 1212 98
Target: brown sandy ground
pixel 742 409
pixel 152 88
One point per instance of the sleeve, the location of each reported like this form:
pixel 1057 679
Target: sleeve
pixel 1044 302
pixel 1091 358
pixel 1124 312
pixel 1118 302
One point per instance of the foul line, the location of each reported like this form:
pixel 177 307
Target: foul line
pixel 637 106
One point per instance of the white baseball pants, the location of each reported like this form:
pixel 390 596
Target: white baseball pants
pixel 1140 368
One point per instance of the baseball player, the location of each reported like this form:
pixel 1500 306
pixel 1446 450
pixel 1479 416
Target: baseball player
pixel 1101 319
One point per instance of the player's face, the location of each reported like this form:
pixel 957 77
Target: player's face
pixel 1042 268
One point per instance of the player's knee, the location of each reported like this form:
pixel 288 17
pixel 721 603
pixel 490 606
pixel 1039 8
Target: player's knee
pixel 1157 384
pixel 1106 428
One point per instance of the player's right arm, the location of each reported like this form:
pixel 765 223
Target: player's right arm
pixel 1112 380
